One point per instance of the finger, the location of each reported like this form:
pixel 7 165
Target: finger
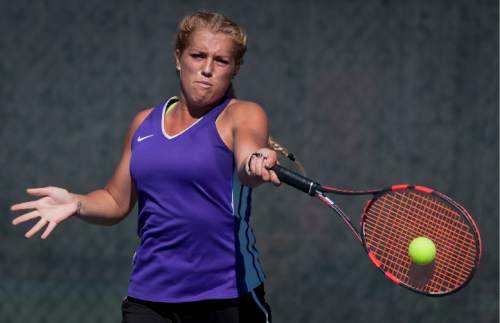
pixel 248 166
pixel 23 206
pixel 255 167
pixel 275 179
pixel 265 174
pixel 258 166
pixel 36 228
pixel 270 162
pixel 25 217
pixel 48 230
pixel 39 191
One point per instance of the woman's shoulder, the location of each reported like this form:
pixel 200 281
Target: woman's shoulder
pixel 244 109
pixel 141 115
pixel 139 119
pixel 238 104
pixel 240 114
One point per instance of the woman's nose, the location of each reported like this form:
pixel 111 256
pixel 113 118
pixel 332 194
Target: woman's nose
pixel 208 68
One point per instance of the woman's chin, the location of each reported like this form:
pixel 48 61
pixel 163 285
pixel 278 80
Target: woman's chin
pixel 203 98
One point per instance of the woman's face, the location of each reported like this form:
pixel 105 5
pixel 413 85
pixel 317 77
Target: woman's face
pixel 206 67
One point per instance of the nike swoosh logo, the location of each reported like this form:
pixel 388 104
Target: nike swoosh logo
pixel 139 139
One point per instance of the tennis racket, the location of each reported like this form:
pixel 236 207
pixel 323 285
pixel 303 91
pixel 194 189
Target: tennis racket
pixel 393 218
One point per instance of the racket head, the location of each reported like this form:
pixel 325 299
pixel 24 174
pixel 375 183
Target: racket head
pixel 394 217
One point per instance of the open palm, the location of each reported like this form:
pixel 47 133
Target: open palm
pixel 55 205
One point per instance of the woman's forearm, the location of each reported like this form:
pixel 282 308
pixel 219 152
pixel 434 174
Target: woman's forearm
pixel 100 207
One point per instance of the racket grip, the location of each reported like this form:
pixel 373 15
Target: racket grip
pixel 296 180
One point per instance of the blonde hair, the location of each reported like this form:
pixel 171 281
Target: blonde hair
pixel 276 146
pixel 216 23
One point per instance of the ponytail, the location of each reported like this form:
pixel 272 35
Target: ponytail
pixel 277 147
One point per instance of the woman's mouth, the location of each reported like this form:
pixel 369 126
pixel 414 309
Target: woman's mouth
pixel 204 84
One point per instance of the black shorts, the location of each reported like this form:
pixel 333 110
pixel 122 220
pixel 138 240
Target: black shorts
pixel 249 308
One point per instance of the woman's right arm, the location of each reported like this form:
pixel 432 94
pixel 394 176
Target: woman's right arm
pixel 105 206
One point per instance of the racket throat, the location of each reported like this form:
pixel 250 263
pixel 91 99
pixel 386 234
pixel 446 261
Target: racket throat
pixel 341 213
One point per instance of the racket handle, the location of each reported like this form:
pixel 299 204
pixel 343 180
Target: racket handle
pixel 296 180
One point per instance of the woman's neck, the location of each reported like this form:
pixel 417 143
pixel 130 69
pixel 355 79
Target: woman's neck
pixel 194 110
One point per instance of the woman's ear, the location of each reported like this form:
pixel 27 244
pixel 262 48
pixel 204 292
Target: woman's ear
pixel 177 59
pixel 236 70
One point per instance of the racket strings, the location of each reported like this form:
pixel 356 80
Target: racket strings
pixel 394 258
pixel 400 258
pixel 396 240
pixel 425 232
pixel 449 222
pixel 428 227
pixel 395 218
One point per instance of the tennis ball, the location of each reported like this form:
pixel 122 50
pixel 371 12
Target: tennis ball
pixel 422 251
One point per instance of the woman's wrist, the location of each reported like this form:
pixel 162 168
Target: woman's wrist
pixel 78 205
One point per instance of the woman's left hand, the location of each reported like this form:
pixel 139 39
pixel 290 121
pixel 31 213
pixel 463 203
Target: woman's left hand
pixel 259 165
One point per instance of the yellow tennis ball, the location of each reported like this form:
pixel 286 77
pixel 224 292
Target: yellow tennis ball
pixel 422 251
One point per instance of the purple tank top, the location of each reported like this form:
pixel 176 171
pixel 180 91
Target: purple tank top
pixel 193 219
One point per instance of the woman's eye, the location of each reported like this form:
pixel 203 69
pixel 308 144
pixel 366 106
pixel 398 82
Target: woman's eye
pixel 222 61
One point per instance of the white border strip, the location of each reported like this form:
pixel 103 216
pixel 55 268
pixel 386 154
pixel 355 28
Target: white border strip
pixel 163 122
pixel 259 304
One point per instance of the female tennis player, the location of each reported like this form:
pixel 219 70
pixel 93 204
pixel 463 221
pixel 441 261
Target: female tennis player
pixel 191 163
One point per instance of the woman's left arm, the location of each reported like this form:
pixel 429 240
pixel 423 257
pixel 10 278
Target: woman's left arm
pixel 250 145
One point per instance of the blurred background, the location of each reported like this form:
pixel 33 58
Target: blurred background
pixel 365 93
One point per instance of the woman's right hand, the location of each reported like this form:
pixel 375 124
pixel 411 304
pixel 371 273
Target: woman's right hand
pixel 55 205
